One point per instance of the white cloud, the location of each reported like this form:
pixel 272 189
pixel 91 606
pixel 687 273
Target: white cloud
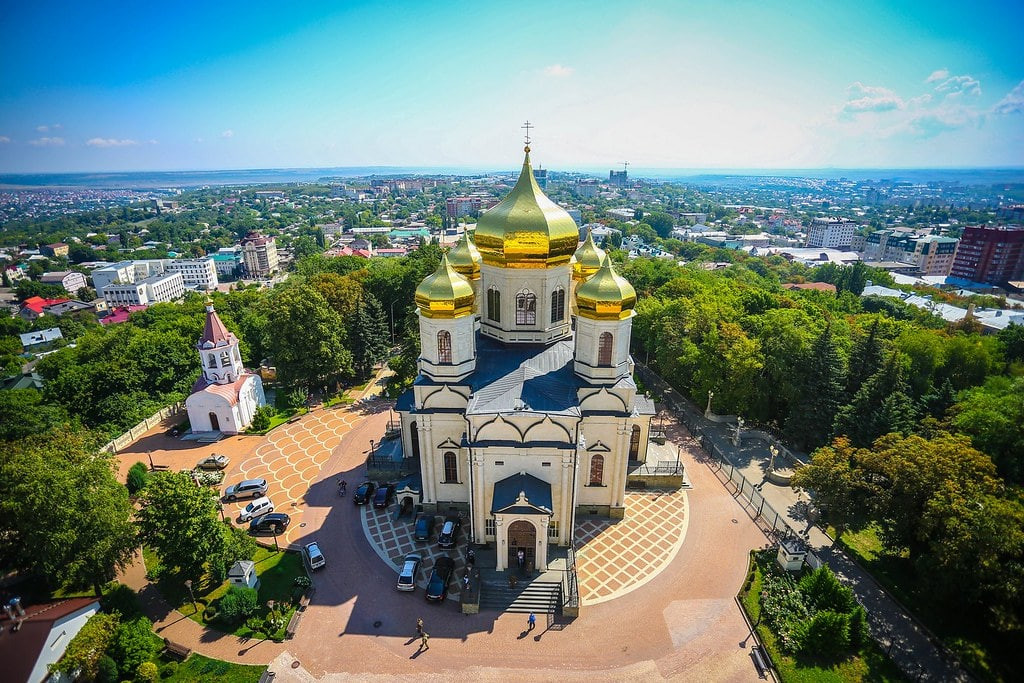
pixel 558 71
pixel 938 75
pixel 110 142
pixel 869 98
pixel 957 85
pixel 47 142
pixel 45 128
pixel 4 139
pixel 931 123
pixel 228 133
pixel 1013 103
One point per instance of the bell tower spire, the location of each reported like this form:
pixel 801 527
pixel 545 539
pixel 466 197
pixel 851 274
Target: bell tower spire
pixel 218 350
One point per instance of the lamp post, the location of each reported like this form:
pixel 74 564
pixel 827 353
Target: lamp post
pixel 393 321
pixel 191 595
pixel 149 454
pixel 277 548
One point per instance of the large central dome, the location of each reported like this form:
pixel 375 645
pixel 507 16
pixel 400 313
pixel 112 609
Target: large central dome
pixel 526 229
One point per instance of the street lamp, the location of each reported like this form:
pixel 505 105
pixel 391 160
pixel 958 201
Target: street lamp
pixel 188 585
pixel 277 548
pixel 150 455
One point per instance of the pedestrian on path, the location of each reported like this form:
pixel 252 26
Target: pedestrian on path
pixel 532 621
pixel 419 627
pixel 423 641
pixel 521 559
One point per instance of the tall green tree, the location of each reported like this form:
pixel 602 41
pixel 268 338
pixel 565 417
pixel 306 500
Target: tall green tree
pixel 179 521
pixel 880 406
pixel 305 338
pixel 993 416
pixel 819 393
pixel 368 335
pixel 63 514
pixel 836 484
pixel 865 359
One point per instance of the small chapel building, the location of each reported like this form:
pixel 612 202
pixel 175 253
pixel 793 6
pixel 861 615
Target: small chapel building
pixel 225 397
pixel 525 409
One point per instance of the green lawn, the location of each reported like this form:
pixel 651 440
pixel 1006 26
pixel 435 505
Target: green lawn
pixel 276 570
pixel 870 664
pixel 200 668
pixel 988 655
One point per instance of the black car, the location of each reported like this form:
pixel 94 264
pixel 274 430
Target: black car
pixel 449 532
pixel 363 493
pixel 424 528
pixel 272 522
pixel 437 586
pixel 383 496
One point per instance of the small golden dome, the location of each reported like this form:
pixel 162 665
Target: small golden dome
pixel 445 293
pixel 606 295
pixel 465 258
pixel 526 229
pixel 587 259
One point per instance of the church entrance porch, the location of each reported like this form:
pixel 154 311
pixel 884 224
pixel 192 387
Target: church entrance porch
pixel 522 542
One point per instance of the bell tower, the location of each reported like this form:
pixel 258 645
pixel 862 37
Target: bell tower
pixel 218 350
pixel 444 303
pixel 604 323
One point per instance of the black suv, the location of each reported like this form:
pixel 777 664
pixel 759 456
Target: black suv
pixel 424 528
pixel 272 522
pixel 383 496
pixel 363 493
pixel 449 532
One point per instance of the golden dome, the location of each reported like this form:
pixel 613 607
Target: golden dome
pixel 526 229
pixel 465 258
pixel 587 259
pixel 445 293
pixel 606 296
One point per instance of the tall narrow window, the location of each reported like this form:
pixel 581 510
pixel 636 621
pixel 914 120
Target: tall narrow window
pixel 526 308
pixel 634 443
pixel 414 439
pixel 604 350
pixel 211 360
pixel 444 347
pixel 597 470
pixel 494 305
pixel 557 305
pixel 451 468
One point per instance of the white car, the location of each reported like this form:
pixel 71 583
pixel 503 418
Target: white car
pixel 314 556
pixel 407 578
pixel 260 506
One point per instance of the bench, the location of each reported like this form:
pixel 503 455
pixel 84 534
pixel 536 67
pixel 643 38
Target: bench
pixel 159 468
pixel 306 597
pixel 295 419
pixel 760 661
pixel 267 676
pixel 176 649
pixel 293 625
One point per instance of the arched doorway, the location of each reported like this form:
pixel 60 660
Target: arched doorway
pixel 634 443
pixel 522 535
pixel 214 422
pixel 414 440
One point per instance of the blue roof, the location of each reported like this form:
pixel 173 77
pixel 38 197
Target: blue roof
pixel 537 494
pixel 413 483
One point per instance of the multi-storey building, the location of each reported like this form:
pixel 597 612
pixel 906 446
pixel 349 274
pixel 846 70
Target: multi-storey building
pixel 457 207
pixel 151 290
pixel 198 273
pixel 934 255
pixel 259 253
pixel 68 279
pixel 830 233
pixel 992 254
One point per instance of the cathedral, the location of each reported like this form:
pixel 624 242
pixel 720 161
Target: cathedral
pixel 524 410
pixel 225 397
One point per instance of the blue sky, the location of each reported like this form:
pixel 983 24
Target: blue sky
pixel 741 84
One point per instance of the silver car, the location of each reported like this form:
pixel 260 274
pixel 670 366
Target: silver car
pixel 250 488
pixel 407 577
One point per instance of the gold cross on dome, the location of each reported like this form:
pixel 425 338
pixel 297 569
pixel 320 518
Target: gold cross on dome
pixel 528 126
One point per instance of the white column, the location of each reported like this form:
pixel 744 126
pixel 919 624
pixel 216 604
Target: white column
pixel 479 513
pixel 621 463
pixel 500 545
pixel 568 496
pixel 423 433
pixel 542 545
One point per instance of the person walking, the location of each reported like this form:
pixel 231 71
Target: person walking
pixel 521 559
pixel 532 621
pixel 424 645
pixel 419 627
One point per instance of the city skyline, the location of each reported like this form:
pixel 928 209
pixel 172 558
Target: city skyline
pixel 747 85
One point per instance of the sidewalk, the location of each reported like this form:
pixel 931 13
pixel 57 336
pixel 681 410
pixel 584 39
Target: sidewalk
pixel 910 646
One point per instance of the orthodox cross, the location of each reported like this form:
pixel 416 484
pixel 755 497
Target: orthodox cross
pixel 528 126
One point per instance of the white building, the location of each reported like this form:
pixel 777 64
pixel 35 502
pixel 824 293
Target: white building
pixel 225 397
pixel 515 417
pixel 152 290
pixel 198 273
pixel 70 280
pixel 43 637
pixel 259 254
pixel 830 233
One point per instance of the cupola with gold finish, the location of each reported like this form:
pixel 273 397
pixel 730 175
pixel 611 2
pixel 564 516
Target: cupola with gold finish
pixel 445 293
pixel 526 229
pixel 606 295
pixel 588 259
pixel 464 258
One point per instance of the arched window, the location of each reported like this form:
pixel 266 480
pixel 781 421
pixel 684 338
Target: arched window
pixel 557 305
pixel 494 305
pixel 211 360
pixel 604 350
pixel 414 439
pixel 526 308
pixel 451 468
pixel 225 359
pixel 634 443
pixel 444 347
pixel 597 470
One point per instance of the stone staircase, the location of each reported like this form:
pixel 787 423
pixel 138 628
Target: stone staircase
pixel 540 597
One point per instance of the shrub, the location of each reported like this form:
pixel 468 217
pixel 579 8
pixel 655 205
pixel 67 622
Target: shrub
pixel 822 591
pixel 86 648
pixel 238 604
pixel 261 419
pixel 296 398
pixel 133 644
pixel 303 581
pixel 210 613
pixel 859 631
pixel 138 475
pixel 107 670
pixel 255 624
pixel 168 669
pixel 827 634
pixel 147 672
pixel 123 600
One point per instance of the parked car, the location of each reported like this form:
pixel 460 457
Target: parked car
pixel 275 522
pixel 382 498
pixel 216 461
pixel 250 488
pixel 314 557
pixel 424 528
pixel 260 506
pixel 437 586
pixel 449 531
pixel 363 493
pixel 407 577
